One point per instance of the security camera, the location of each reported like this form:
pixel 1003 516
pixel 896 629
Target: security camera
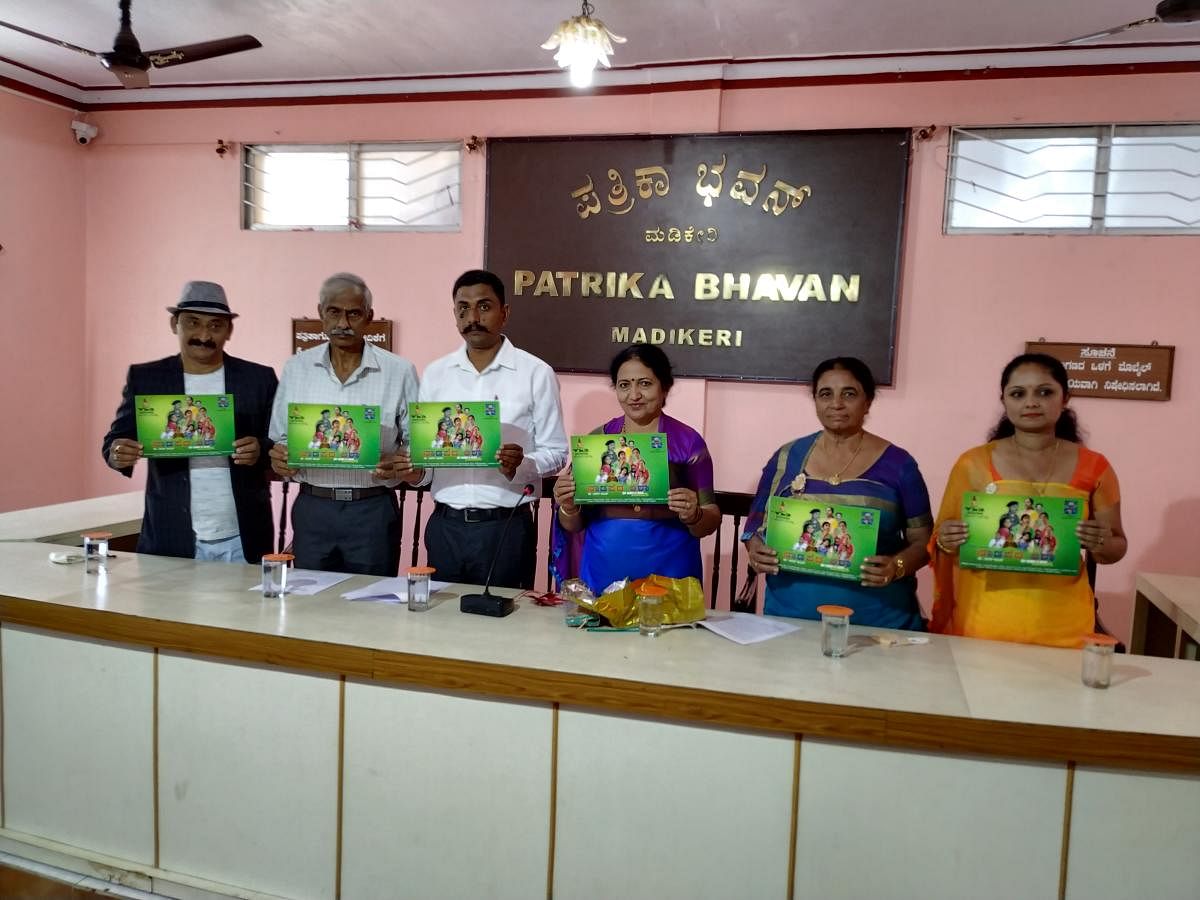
pixel 84 133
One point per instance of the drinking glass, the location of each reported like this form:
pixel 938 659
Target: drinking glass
pixel 650 609
pixel 418 587
pixel 274 574
pixel 1098 652
pixel 835 629
pixel 95 551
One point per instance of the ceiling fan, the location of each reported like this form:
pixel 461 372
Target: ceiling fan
pixel 1169 12
pixel 132 65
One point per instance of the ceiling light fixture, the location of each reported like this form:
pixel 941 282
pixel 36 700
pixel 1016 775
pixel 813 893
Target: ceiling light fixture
pixel 582 42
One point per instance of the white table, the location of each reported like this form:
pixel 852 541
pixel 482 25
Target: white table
pixel 163 721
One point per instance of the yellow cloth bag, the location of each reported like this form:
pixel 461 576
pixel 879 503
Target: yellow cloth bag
pixel 684 602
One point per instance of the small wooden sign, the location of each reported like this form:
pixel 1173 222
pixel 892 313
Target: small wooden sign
pixel 1121 371
pixel 308 333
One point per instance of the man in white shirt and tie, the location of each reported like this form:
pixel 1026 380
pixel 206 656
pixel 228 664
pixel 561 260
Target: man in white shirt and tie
pixel 464 531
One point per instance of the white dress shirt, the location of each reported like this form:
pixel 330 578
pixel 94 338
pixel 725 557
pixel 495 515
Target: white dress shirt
pixel 530 415
pixel 382 379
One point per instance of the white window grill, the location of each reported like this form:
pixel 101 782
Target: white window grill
pixel 352 187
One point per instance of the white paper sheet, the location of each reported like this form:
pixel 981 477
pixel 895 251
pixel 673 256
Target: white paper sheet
pixel 306 582
pixel 747 628
pixel 390 590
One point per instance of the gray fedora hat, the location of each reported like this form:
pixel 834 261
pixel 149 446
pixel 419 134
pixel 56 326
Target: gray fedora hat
pixel 205 297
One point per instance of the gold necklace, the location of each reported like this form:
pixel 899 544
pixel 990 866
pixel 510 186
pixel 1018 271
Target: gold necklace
pixel 1049 470
pixel 836 478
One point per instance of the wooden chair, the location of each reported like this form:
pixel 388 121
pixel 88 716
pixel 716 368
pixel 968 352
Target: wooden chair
pixel 1090 566
pixel 736 506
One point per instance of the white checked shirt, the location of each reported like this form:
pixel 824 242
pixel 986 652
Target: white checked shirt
pixel 530 415
pixel 382 379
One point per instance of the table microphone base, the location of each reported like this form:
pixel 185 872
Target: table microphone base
pixel 486 605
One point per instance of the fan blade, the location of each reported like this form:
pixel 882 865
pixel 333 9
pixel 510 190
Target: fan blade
pixel 49 40
pixel 131 78
pixel 1112 31
pixel 177 56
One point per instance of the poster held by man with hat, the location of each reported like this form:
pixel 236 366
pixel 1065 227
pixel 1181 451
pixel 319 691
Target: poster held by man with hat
pixel 182 425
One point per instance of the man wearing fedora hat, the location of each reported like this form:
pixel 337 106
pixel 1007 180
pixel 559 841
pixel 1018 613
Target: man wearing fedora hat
pixel 214 507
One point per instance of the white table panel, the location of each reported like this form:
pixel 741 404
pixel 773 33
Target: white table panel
pixel 651 809
pixel 438 788
pixel 248 762
pixel 1134 835
pixel 895 824
pixel 78 741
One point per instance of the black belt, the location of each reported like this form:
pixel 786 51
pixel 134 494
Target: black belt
pixel 344 494
pixel 474 515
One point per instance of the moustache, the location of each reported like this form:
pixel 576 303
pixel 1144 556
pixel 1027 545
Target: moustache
pixel 208 345
pixel 471 328
pixel 341 332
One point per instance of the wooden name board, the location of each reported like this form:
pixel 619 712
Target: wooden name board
pixel 1122 371
pixel 307 333
pixel 745 256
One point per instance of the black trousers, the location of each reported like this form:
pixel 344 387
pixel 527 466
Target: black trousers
pixel 462 551
pixel 360 536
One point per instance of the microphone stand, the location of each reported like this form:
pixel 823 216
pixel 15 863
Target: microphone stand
pixel 487 603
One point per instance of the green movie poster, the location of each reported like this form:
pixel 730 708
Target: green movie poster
pixel 620 468
pixel 820 539
pixel 323 435
pixel 1022 534
pixel 177 425
pixel 455 434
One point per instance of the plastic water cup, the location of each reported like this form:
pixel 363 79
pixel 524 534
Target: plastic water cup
pixel 1098 652
pixel 274 574
pixel 650 609
pixel 835 629
pixel 418 587
pixel 95 551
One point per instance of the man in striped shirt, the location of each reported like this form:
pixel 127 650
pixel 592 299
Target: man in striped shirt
pixel 346 520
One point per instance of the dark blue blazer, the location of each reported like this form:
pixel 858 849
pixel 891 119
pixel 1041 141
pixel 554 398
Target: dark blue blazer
pixel 167 520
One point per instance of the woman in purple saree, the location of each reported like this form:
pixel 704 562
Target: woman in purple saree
pixel 631 540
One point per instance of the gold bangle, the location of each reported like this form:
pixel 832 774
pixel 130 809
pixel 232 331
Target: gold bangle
pixel 898 561
pixel 943 547
pixel 562 511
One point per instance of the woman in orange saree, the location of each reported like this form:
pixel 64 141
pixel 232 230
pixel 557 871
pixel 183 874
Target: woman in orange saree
pixel 1035 451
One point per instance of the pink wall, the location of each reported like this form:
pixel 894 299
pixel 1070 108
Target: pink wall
pixel 42 302
pixel 163 208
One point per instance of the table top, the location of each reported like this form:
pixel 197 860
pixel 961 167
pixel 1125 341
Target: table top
pixel 952 693
pixel 1176 595
pixel 62 523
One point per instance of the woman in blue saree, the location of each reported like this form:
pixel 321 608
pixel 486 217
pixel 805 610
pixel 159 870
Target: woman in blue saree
pixel 629 540
pixel 842 464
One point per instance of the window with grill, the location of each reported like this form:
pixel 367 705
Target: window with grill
pixel 352 187
pixel 1097 179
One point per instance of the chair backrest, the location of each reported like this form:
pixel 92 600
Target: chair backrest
pixel 734 506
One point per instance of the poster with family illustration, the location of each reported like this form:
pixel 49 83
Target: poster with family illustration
pixel 325 435
pixel 455 434
pixel 1022 534
pixel 821 539
pixel 180 425
pixel 620 468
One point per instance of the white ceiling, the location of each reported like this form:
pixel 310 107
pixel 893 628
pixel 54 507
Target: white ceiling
pixel 488 44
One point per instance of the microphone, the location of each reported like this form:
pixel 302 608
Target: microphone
pixel 487 603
